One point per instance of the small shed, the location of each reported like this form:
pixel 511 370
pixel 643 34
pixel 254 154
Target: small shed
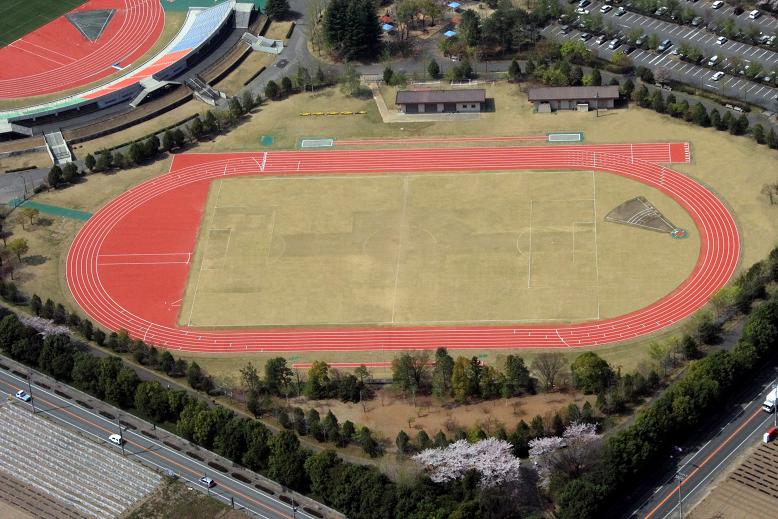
pixel 440 101
pixel 548 99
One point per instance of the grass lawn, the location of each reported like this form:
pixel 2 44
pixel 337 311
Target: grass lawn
pixel 19 17
pixel 173 23
pixel 485 248
pixel 733 167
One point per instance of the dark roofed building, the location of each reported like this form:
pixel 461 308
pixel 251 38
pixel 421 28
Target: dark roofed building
pixel 439 101
pixel 547 99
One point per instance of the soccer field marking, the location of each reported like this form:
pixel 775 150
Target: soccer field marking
pixel 202 258
pixel 403 231
pixel 596 249
pixel 529 260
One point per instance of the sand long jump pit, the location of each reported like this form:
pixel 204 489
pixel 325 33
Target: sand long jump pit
pixel 415 249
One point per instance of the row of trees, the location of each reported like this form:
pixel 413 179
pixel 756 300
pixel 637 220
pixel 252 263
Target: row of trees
pixel 351 29
pixel 415 373
pixel 632 453
pixel 357 491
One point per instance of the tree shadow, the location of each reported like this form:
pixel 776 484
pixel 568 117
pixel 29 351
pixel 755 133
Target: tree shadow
pixel 35 260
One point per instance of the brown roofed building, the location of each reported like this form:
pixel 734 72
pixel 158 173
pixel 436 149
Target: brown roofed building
pixel 547 99
pixel 439 101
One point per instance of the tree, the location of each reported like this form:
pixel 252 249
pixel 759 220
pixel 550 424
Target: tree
pixel 591 373
pixel 303 78
pixel 278 376
pixel 387 75
pixel 517 378
pixel 54 178
pixel 277 9
pixel 351 29
pixel 441 374
pixel 350 83
pixel 178 138
pixel 317 385
pixel 460 382
pixel 741 125
pixel 700 115
pixel 581 499
pixel 168 143
pixel 29 213
pixel 104 161
pixel 271 89
pixel 548 366
pixel 772 139
pixel 151 400
pixel 19 247
pixel 319 469
pixel 715 120
pixel 36 304
pixel 198 379
pixel 514 70
pixel 433 69
pixel 89 162
pixel 136 153
pixel 410 372
pixel 758 132
pixel 286 85
pixel 403 442
pixel 658 102
pixel 151 147
pixel 628 87
pixel 470 27
pixel 196 128
pixel 492 459
pixel 69 172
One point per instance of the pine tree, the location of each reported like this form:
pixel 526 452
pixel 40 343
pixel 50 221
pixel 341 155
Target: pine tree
pixel 277 9
pixel 772 139
pixel 433 69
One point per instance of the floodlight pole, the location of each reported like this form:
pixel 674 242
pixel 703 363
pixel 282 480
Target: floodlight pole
pixel 29 390
pixel 680 477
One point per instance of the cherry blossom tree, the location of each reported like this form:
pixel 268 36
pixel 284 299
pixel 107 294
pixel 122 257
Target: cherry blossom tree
pixel 45 327
pixel 571 453
pixel 491 458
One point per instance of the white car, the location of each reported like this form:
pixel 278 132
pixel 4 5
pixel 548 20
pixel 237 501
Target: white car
pixel 754 14
pixel 717 4
pixel 582 11
pixel 713 60
pixel 620 11
pixel 721 40
pixel 718 75
pixel 116 439
pixel 23 396
pixel 208 482
pixel 606 8
pixel 600 39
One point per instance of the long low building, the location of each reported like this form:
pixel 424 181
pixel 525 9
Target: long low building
pixel 439 101
pixel 548 99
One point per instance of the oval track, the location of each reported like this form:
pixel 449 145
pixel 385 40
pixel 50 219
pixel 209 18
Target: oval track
pixel 134 30
pixel 718 256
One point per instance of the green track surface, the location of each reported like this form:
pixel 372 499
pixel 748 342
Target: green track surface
pixel 53 210
pixel 20 17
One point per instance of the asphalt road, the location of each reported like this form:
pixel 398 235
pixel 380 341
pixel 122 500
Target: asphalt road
pixel 752 92
pixel 744 427
pixel 153 453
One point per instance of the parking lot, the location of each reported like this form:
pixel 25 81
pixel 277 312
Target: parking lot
pixel 701 76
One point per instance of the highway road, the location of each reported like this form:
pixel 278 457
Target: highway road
pixel 743 427
pixel 151 452
pixel 733 87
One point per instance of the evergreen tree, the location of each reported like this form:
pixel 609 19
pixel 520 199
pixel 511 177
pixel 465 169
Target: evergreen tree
pixel 514 70
pixel 758 132
pixel 271 89
pixel 433 69
pixel 441 374
pixel 772 139
pixel 89 161
pixel 277 9
pixel 715 119
pixel 54 178
pixel 351 28
pixel 597 77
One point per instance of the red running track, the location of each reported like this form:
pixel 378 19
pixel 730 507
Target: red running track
pixel 128 265
pixel 57 57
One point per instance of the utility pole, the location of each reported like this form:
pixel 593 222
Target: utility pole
pixel 680 477
pixel 121 434
pixel 29 390
pixel 775 410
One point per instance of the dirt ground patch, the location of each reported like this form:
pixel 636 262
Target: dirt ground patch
pixel 175 500
pixel 278 30
pixel 38 159
pixel 173 23
pixel 747 491
pixel 388 414
pixel 234 82
pixel 483 248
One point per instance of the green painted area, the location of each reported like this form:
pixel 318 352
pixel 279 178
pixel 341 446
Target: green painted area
pixel 20 17
pixel 266 140
pixel 183 5
pixel 53 210
pixel 565 137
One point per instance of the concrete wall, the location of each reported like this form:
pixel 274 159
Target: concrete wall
pixel 572 104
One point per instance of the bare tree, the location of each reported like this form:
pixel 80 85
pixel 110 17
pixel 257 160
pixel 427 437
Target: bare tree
pixel 661 75
pixel 548 366
pixel 770 190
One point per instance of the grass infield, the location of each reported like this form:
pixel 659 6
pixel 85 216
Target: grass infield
pixel 428 249
pixel 20 17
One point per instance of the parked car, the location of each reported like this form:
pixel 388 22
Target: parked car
pixel 718 75
pixel 629 49
pixel 620 11
pixel 565 29
pixel 666 44
pixel 641 40
pixel 661 11
pixel 754 14
pixel 116 439
pixel 208 482
pixel 721 40
pixel 582 11
pixel 696 21
pixel 584 3
pixel 717 4
pixel 585 36
pixel 606 8
pixel 601 39
pixel 614 44
pixel 713 60
pixel 23 396
pixel 737 11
